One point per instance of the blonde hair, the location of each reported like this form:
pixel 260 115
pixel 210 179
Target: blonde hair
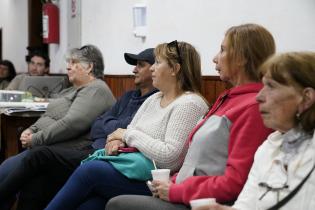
pixel 252 44
pixel 295 69
pixel 189 76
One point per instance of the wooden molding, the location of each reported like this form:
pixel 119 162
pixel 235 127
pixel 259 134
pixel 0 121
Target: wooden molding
pixel 211 86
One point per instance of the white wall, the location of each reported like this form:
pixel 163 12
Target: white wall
pixel 108 24
pixel 70 35
pixel 14 24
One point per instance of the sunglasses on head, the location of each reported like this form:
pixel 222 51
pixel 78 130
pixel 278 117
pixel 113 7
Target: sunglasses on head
pixel 86 53
pixel 84 50
pixel 175 44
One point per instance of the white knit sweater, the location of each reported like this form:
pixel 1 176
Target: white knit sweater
pixel 161 133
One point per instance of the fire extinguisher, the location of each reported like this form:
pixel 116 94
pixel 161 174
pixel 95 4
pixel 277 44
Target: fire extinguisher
pixel 50 23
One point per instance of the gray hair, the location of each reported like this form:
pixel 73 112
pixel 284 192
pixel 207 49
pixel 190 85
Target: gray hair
pixel 89 54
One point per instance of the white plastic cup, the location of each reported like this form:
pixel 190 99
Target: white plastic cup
pixel 201 202
pixel 161 174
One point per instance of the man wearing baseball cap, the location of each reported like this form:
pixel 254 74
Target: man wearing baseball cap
pixel 51 166
pixel 146 55
pixel 142 63
pixel 130 101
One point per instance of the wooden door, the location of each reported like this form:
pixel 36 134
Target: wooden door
pixel 35 25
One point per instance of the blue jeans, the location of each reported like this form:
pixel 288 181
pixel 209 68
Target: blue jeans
pixel 90 182
pixel 6 168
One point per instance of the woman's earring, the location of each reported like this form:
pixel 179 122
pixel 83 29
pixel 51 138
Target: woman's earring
pixel 298 116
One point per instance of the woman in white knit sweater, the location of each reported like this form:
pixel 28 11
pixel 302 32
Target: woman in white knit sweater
pixel 159 130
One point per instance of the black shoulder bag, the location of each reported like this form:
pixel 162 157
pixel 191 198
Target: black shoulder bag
pixel 291 194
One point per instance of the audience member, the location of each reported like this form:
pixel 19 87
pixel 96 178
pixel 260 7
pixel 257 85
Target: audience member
pixel 7 73
pixel 68 119
pixel 38 65
pixel 285 161
pixel 223 144
pixel 54 165
pixel 159 131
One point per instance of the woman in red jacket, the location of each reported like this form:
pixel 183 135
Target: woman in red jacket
pixel 223 145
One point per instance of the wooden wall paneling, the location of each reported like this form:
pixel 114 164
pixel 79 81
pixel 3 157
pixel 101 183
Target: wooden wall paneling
pixel 119 84
pixel 208 90
pixel 211 86
pixel 220 87
pixel 11 129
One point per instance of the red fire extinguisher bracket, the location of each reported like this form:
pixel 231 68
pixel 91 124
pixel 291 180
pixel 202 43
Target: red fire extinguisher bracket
pixel 50 23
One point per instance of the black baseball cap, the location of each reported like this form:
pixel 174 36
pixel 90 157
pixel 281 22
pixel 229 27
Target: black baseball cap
pixel 145 55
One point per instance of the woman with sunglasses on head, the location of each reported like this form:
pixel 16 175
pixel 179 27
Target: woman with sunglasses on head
pixel 285 162
pixel 159 131
pixel 222 146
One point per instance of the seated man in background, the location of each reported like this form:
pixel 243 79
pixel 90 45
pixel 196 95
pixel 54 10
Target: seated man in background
pixel 68 119
pixel 45 169
pixel 126 107
pixel 37 65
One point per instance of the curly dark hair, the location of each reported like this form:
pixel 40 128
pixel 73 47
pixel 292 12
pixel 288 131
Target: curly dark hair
pixel 38 53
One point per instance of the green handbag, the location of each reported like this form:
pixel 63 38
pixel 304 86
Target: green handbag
pixel 133 165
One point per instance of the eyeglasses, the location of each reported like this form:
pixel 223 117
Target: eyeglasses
pixel 72 62
pixel 87 54
pixel 270 188
pixel 84 50
pixel 84 47
pixel 175 44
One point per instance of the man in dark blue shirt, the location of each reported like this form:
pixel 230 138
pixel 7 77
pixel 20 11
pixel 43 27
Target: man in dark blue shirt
pixel 45 169
pixel 126 107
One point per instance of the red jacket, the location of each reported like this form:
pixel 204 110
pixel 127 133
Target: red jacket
pixel 246 133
